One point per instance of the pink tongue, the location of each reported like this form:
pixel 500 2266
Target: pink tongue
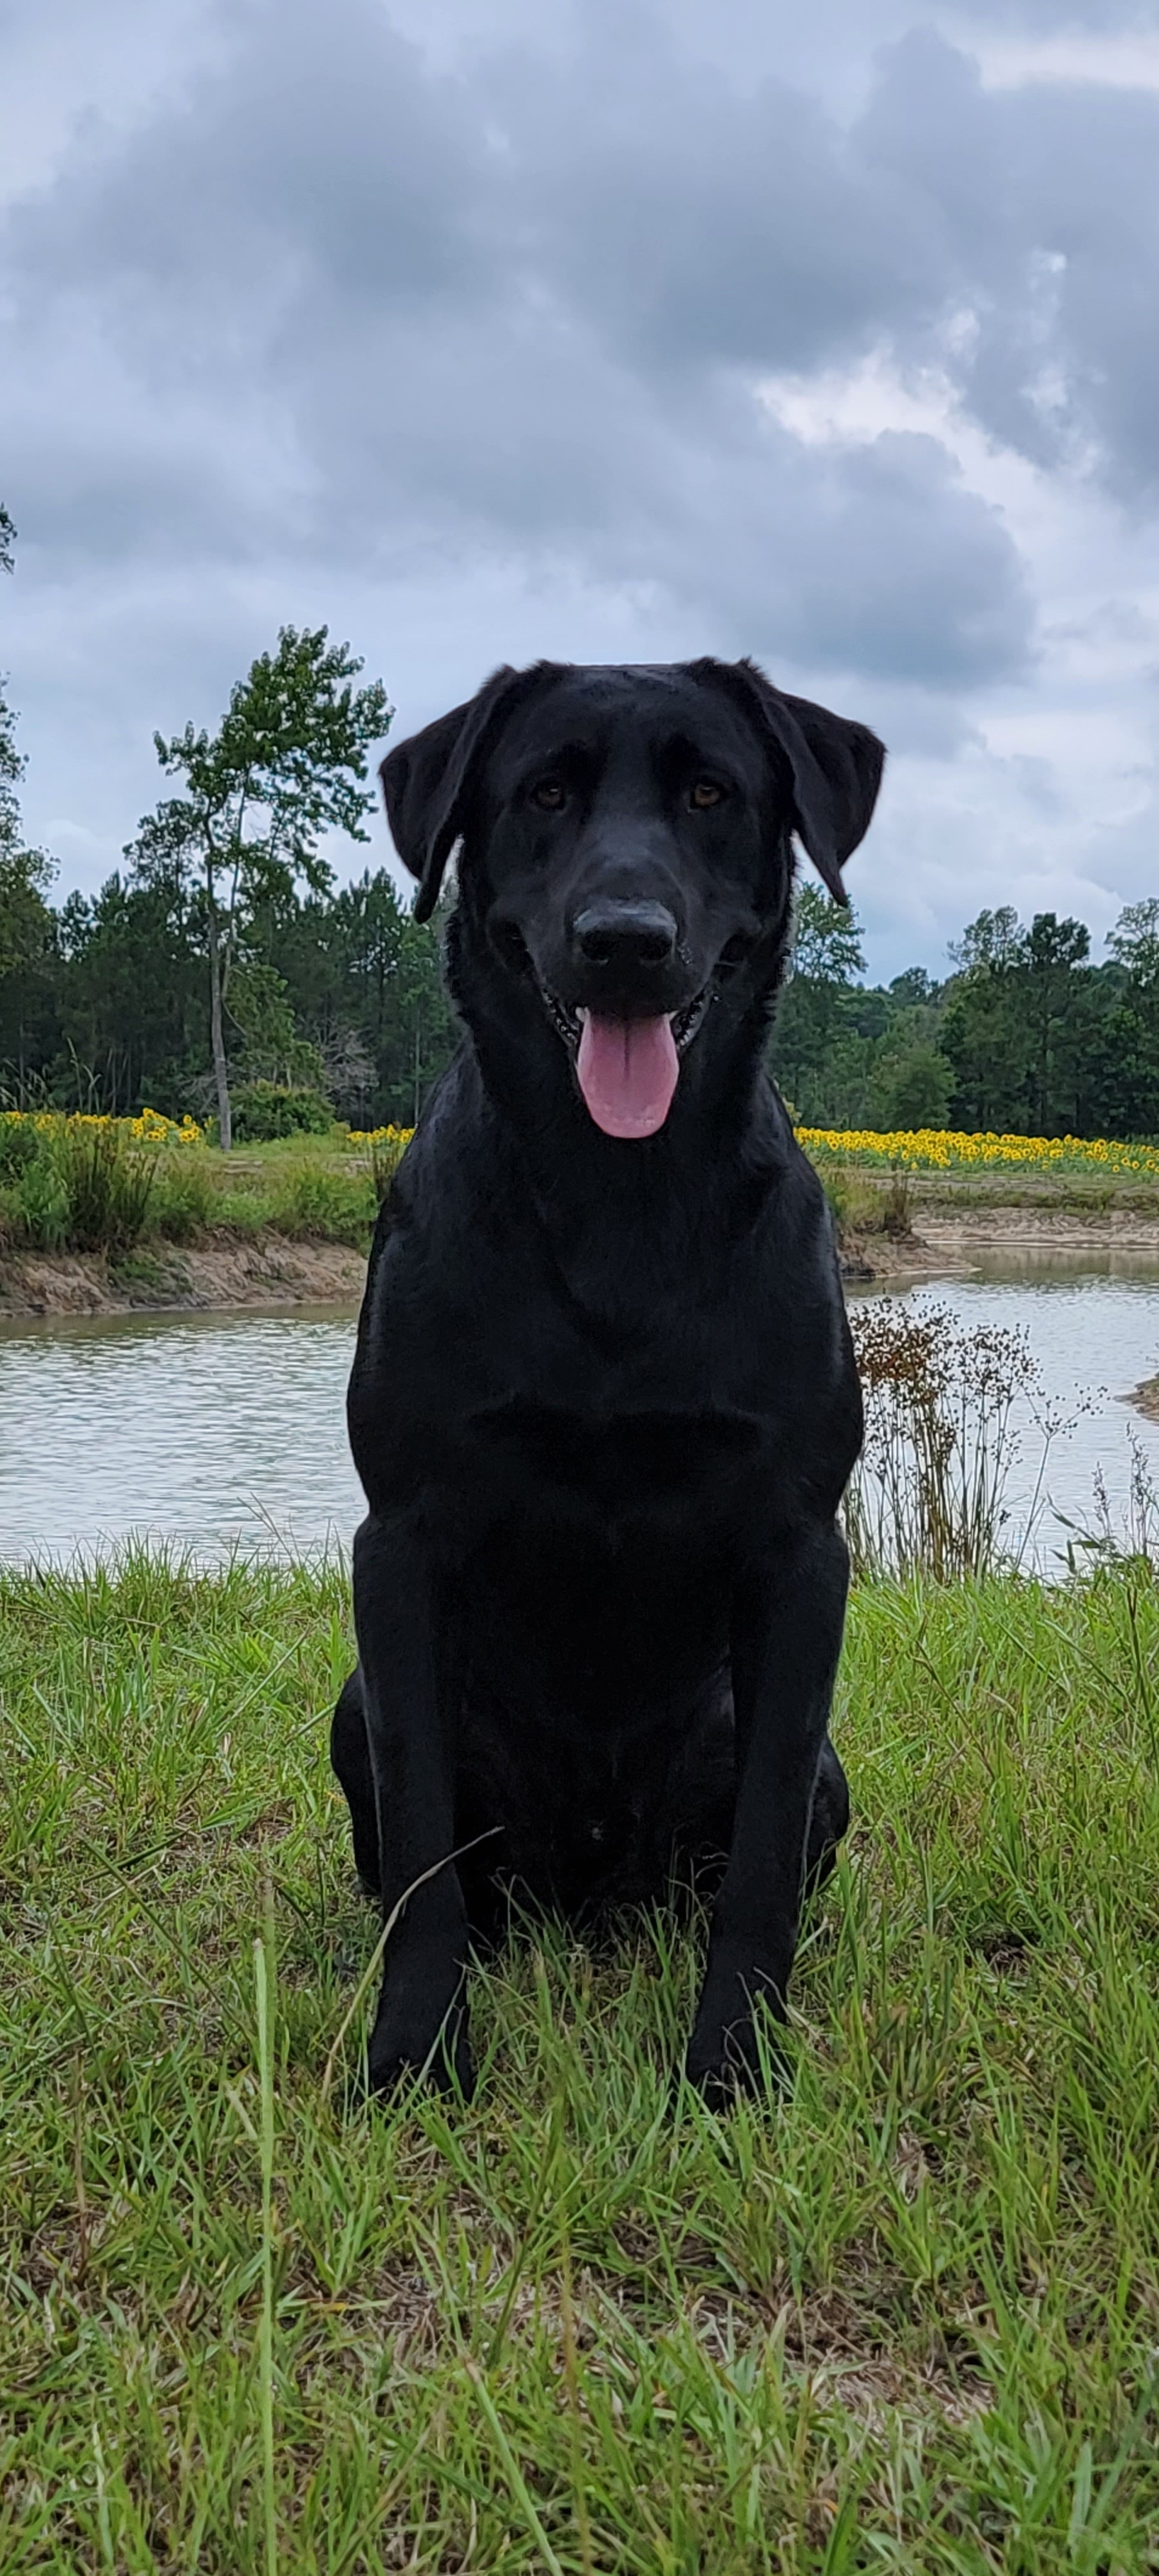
pixel 628 1071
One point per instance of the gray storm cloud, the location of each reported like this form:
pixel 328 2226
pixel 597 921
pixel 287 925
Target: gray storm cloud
pixel 467 352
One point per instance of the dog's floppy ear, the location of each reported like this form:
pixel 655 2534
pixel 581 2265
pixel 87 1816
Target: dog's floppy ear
pixel 835 766
pixel 427 781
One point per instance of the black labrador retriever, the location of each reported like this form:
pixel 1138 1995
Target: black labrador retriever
pixel 604 1403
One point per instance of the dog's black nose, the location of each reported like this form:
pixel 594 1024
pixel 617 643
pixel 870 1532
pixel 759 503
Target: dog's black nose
pixel 625 934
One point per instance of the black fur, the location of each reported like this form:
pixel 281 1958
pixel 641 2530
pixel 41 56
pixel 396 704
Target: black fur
pixel 604 1403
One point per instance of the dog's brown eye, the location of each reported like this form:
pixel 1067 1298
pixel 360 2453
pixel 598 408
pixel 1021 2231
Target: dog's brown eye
pixel 703 795
pixel 549 794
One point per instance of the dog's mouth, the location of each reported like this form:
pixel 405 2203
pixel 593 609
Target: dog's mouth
pixel 627 1070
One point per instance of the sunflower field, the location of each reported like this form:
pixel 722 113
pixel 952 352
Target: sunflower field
pixel 944 1149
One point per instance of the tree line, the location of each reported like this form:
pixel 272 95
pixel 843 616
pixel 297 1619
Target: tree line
pixel 221 964
pixel 1026 1036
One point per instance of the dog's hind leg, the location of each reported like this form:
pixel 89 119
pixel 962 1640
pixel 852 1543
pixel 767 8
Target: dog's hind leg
pixel 350 1760
pixel 829 1818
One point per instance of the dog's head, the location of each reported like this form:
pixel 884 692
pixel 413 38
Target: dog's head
pixel 627 855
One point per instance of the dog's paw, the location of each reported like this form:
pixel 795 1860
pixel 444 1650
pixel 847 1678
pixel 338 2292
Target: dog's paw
pixel 739 2060
pixel 736 2044
pixel 408 2045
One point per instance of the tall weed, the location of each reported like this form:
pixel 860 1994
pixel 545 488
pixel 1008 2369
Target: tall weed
pixel 929 1492
pixel 386 1153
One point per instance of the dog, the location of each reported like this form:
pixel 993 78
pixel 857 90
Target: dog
pixel 604 1402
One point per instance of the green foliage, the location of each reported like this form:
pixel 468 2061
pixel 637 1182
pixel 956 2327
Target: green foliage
pixel 911 1084
pixel 287 764
pixel 18 1146
pixel 273 1051
pixel 24 916
pixel 130 1007
pixel 263 1111
pixel 1022 1029
pixel 1134 941
pixel 865 1203
pixel 899 2317
pixel 827 939
pixel 26 924
pixel 819 1052
pixel 34 1208
pixel 1026 1037
pixel 187 1196
pixel 82 1187
pixel 109 1183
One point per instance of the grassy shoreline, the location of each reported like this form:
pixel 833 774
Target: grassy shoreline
pixel 221 1230
pixel 904 2317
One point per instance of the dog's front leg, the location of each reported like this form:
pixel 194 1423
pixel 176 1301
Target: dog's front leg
pixel 786 1638
pixel 408 1659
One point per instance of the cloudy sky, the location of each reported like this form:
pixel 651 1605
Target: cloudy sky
pixel 614 330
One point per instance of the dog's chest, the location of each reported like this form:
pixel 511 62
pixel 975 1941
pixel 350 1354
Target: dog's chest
pixel 620 1460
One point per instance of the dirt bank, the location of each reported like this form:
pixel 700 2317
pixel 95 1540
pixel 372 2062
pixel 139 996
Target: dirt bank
pixel 865 1257
pixel 272 1270
pixel 1036 1229
pixel 276 1269
pixel 942 1245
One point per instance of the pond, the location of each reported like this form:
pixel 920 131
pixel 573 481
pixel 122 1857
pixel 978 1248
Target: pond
pixel 228 1430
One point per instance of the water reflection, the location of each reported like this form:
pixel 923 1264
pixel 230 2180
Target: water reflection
pixel 218 1431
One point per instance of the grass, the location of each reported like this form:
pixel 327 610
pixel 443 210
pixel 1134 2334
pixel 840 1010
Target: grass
pixel 116 1186
pixel 130 1189
pixel 92 1186
pixel 905 2317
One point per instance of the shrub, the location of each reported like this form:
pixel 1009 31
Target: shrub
pixel 929 1491
pixel 265 1111
pixel 912 1087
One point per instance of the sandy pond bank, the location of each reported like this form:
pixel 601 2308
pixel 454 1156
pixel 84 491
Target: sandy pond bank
pixel 277 1269
pixel 949 1245
pixel 271 1270
pixel 1037 1229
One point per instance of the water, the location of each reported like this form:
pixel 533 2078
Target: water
pixel 207 1431
pixel 220 1431
pixel 1094 1335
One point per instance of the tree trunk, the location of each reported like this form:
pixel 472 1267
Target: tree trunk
pixel 220 1068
